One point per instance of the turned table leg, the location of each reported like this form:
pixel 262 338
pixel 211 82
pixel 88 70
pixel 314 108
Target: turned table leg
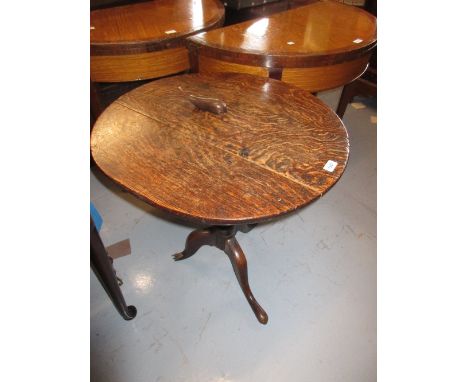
pixel 104 271
pixel 224 239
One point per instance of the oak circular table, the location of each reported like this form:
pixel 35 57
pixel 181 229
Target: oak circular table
pixel 146 40
pixel 317 47
pixel 223 150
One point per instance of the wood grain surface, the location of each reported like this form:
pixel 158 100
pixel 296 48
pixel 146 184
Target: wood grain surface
pixel 151 26
pixel 263 158
pixel 325 77
pixel 322 33
pixel 212 65
pixel 146 40
pixel 141 66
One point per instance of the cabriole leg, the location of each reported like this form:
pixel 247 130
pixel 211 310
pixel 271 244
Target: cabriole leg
pixel 239 264
pixel 223 237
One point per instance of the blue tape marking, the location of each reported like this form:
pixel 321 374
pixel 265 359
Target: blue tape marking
pixel 97 219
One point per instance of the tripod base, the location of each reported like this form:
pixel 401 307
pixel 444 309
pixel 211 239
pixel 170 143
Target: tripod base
pixel 224 239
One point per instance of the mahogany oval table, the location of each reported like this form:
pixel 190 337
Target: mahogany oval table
pixel 252 149
pixel 319 46
pixel 146 40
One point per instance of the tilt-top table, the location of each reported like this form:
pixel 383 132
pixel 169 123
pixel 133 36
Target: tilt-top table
pixel 225 151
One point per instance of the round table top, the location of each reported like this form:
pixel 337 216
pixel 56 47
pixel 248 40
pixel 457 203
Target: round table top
pixel 276 149
pixel 322 33
pixel 152 25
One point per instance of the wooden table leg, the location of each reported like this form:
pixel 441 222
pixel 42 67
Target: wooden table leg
pixel 104 271
pixel 224 239
pixel 347 95
pixel 361 87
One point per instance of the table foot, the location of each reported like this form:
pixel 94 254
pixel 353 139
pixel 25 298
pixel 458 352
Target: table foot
pixel 224 239
pixel 194 241
pixel 239 264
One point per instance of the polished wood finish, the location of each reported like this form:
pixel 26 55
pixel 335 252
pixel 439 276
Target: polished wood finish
pixel 267 152
pixel 146 40
pixel 151 26
pixel 224 239
pixel 325 77
pixel 320 35
pixel 102 266
pixel 261 158
pixel 136 67
pixel 322 32
pixel 212 65
pixel 367 84
pixel 311 79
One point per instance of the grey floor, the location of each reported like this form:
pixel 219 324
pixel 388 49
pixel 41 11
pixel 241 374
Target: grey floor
pixel 314 273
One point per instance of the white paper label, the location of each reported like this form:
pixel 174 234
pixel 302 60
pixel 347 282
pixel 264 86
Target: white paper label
pixel 170 31
pixel 330 166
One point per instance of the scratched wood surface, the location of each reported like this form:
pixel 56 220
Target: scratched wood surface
pixel 263 158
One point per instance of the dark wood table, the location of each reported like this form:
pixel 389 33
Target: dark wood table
pixel 317 47
pixel 272 149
